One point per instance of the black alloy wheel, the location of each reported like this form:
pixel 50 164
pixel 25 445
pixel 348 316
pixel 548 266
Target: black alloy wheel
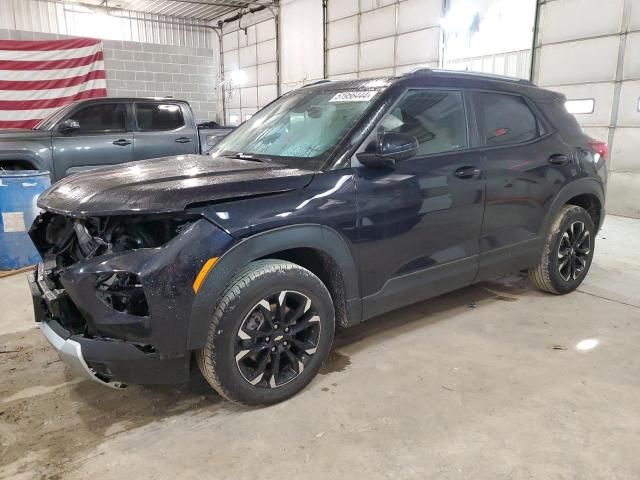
pixel 277 339
pixel 573 251
pixel 270 333
pixel 567 251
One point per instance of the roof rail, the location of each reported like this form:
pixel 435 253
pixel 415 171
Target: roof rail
pixel 316 83
pixel 488 76
pixel 420 71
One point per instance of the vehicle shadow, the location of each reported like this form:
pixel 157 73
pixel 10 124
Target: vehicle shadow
pixel 428 312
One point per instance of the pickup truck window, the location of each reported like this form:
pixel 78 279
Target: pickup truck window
pixel 154 117
pixel 301 125
pixel 101 118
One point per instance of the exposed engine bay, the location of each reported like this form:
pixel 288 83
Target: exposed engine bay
pixel 63 241
pixel 73 239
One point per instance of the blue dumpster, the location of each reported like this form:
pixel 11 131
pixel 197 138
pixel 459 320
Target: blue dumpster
pixel 19 192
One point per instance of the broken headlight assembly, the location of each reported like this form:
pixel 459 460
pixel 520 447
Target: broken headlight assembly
pixel 72 239
pixel 123 292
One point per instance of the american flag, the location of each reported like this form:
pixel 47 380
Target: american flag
pixel 39 77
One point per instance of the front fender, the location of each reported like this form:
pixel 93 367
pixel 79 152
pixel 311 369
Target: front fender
pixel 315 236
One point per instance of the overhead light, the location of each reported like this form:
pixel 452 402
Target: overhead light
pixel 239 77
pixel 583 106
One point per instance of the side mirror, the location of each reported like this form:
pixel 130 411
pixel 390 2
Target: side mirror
pixel 390 148
pixel 69 125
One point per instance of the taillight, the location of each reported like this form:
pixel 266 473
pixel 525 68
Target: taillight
pixel 601 148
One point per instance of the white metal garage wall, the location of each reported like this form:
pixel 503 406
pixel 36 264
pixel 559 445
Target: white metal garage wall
pixel 57 17
pixel 513 64
pixel 367 38
pixel 250 47
pixel 588 49
pixel 490 36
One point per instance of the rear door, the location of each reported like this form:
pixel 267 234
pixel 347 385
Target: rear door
pixel 526 165
pixel 163 129
pixel 104 138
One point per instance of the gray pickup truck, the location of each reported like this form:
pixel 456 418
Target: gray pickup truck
pixel 106 131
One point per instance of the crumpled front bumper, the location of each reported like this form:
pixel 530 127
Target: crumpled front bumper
pixel 70 352
pixel 114 347
pixel 110 362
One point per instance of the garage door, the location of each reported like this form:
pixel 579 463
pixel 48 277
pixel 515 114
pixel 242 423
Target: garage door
pixel 587 49
pixel 249 68
pixel 368 38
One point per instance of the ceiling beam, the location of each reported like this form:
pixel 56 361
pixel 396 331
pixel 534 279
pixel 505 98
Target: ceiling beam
pixel 218 3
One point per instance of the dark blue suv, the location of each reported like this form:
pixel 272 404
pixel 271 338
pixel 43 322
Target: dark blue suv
pixel 335 203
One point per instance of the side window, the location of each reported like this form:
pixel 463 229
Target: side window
pixel 101 118
pixel 154 117
pixel 435 117
pixel 506 119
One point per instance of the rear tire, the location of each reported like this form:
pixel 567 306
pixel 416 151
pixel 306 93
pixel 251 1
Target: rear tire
pixel 269 335
pixel 567 253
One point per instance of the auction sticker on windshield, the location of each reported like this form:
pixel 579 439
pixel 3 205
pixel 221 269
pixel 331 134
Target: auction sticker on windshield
pixel 362 96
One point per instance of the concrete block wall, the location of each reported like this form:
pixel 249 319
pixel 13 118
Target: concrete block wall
pixel 153 70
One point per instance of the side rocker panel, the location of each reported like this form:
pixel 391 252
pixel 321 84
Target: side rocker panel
pixel 260 245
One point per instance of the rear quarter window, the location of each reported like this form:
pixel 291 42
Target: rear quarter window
pixel 562 120
pixel 505 119
pixel 159 117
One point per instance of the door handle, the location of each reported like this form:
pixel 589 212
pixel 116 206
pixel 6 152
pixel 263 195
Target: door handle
pixel 122 142
pixel 467 172
pixel 558 159
pixel 183 140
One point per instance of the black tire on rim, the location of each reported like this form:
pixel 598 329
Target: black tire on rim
pixel 573 251
pixel 567 253
pixel 277 339
pixel 269 335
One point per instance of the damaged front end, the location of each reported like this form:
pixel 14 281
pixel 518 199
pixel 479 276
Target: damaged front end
pixel 116 292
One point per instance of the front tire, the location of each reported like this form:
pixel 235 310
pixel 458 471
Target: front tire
pixel 567 253
pixel 269 335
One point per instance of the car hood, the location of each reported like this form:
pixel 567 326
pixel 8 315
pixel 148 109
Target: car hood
pixel 167 185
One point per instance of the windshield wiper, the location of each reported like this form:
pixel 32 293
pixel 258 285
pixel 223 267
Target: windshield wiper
pixel 242 156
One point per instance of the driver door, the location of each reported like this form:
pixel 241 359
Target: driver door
pixel 102 139
pixel 420 221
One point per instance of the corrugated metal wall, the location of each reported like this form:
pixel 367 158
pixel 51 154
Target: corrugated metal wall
pixel 368 38
pixel 65 19
pixel 588 49
pixel 249 47
pixel 514 64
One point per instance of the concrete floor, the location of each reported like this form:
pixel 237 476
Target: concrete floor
pixel 494 381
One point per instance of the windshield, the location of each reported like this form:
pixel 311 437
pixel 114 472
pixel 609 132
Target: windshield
pixel 304 127
pixel 52 119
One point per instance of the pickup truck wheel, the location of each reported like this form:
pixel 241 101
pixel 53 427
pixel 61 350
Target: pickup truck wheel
pixel 567 253
pixel 269 335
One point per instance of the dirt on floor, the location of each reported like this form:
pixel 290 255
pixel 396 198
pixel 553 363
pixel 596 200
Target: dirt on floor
pixel 46 425
pixel 49 425
pixel 56 418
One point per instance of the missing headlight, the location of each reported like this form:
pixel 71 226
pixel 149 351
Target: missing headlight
pixel 123 292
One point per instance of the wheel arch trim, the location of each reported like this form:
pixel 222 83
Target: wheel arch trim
pixel 584 186
pixel 260 245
